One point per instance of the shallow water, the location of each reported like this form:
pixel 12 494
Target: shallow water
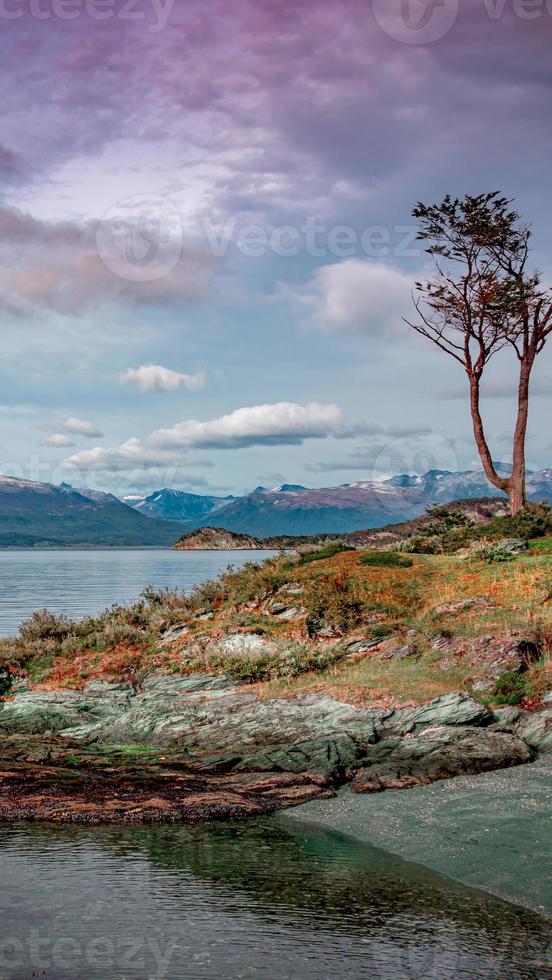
pixel 83 582
pixel 270 899
pixel 491 831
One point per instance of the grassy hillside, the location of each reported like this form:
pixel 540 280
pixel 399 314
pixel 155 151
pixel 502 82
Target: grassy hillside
pixel 367 626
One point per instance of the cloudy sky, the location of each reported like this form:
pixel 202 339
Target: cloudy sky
pixel 206 242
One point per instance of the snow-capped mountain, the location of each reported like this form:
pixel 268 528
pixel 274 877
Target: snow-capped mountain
pixel 175 505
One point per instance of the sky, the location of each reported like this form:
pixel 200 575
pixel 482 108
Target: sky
pixel 206 241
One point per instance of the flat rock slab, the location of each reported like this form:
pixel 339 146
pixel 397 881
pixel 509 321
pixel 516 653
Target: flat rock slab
pixel 57 781
pixel 190 747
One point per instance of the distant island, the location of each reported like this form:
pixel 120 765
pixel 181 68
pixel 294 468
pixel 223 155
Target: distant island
pixel 217 539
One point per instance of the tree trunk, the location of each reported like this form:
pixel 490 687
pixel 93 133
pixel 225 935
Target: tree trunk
pixel 518 490
pixel 481 441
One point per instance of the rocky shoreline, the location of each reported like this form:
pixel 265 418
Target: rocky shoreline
pixel 200 747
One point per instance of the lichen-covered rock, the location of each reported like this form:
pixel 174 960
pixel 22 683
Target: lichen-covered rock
pixel 535 728
pixel 437 753
pixel 449 709
pixel 245 644
pixel 332 758
pixel 176 632
pixel 37 712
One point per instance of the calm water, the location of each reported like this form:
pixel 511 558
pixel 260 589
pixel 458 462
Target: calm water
pixel 269 899
pixel 83 582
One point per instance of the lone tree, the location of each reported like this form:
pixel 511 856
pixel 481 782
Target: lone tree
pixel 481 299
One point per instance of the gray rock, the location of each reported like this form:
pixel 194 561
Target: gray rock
pixel 449 709
pixel 461 605
pixel 38 712
pixel 535 728
pixel 437 753
pixel 442 640
pixel 174 633
pixel 286 613
pixel 358 647
pixel 397 651
pixel 482 685
pixel 512 546
pixel 245 644
pixel 330 758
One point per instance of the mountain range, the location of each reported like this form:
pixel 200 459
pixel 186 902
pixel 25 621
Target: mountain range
pixel 41 514
pixel 296 510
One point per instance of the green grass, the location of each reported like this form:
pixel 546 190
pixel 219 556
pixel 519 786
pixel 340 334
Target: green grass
pixel 320 554
pixel 543 545
pixel 386 559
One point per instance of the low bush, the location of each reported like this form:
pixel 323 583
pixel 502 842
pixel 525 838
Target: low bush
pixel 335 600
pixel 386 559
pixel 290 662
pixel 511 688
pixel 327 551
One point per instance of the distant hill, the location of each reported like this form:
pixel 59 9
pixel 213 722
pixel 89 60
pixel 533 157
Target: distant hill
pixel 40 514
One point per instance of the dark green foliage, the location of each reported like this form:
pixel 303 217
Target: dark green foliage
pixel 327 551
pixel 386 559
pixel 534 522
pixel 511 688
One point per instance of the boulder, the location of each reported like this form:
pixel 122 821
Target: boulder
pixel 248 645
pixel 512 546
pixel 495 655
pixel 462 605
pixel 331 758
pixel 437 753
pixel 38 712
pixel 286 613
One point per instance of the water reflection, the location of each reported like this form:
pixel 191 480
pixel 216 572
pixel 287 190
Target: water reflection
pixel 270 899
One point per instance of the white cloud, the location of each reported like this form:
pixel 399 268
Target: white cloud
pixel 129 454
pixel 59 440
pixel 82 428
pixel 358 296
pixel 153 377
pixel 284 423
